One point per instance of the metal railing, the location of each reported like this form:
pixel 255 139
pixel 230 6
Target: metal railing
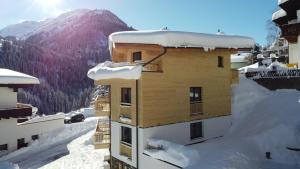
pixel 290 73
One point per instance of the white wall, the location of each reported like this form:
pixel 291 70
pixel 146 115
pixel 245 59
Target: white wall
pixel 178 133
pixel 10 131
pixel 293 53
pixel 8 98
pixel 115 143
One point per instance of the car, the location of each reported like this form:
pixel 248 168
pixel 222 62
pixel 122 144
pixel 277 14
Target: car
pixel 74 118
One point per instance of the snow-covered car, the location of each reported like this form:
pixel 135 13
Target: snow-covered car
pixel 74 118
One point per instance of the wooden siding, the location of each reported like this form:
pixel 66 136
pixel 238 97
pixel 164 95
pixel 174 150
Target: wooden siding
pixel 164 96
pixel 116 108
pixel 125 150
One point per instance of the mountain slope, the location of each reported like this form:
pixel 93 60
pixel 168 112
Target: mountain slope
pixel 20 30
pixel 60 52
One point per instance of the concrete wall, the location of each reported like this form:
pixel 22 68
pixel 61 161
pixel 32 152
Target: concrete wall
pixel 8 98
pixel 10 131
pixel 115 143
pixel 178 133
pixel 293 53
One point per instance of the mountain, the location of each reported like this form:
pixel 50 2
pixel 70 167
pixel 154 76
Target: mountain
pixel 20 30
pixel 60 51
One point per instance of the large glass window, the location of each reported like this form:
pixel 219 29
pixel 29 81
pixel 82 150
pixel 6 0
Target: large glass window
pixel 3 147
pixel 126 135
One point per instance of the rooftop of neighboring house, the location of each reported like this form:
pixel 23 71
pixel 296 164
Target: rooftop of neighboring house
pixel 10 77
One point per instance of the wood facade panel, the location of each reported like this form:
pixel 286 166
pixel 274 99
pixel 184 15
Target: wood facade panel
pixel 164 97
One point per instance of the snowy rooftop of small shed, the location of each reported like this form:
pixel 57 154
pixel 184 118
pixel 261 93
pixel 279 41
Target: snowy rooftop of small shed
pixel 169 38
pixel 12 77
pixel 278 14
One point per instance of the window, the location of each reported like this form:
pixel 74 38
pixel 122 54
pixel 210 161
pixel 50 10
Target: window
pixel 35 137
pixel 196 130
pixel 126 96
pixel 126 135
pixel 3 147
pixel 195 94
pixel 136 56
pixel 220 61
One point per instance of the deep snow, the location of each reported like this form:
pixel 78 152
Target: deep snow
pixel 68 147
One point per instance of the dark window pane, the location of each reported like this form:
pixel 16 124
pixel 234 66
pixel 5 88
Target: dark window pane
pixel 195 94
pixel 3 147
pixel 126 95
pixel 196 130
pixel 137 56
pixel 220 61
pixel 126 135
pixel 35 137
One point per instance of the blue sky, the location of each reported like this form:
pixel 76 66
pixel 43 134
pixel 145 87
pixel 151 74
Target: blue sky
pixel 241 17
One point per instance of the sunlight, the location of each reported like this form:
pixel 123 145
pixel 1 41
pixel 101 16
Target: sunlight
pixel 48 3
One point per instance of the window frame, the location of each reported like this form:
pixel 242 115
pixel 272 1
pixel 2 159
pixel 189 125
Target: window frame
pixel 124 139
pixel 193 92
pixel 194 135
pixel 3 147
pixel 220 61
pixel 126 101
pixel 136 54
pixel 35 137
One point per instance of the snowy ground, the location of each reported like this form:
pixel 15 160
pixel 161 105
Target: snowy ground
pixel 69 147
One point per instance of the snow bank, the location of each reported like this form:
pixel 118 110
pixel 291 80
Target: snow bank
pixel 256 68
pixel 278 14
pixel 169 38
pixel 110 70
pixel 12 77
pixel 263 121
pixel 171 152
pixel 7 165
pixel 44 118
pixel 240 57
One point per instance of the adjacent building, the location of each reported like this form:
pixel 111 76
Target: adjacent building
pixel 17 129
pixel 166 85
pixel 288 19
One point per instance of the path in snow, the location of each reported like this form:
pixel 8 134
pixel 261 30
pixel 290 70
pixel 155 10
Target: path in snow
pixel 69 147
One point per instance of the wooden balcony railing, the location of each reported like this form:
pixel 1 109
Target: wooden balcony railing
pixel 102 136
pixel 125 150
pixel 125 111
pixel 290 32
pixel 102 106
pixel 21 110
pixel 152 67
pixel 196 108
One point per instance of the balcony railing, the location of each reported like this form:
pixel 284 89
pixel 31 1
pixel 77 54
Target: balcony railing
pixel 125 111
pixel 152 67
pixel 291 32
pixel 196 108
pixel 125 150
pixel 102 135
pixel 274 74
pixel 102 106
pixel 21 110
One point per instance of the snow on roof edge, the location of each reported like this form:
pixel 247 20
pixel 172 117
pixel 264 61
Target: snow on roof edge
pixel 279 14
pixel 169 38
pixel 8 76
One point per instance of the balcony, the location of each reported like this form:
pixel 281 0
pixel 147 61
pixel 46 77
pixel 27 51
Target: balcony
pixel 125 111
pixel 152 67
pixel 102 135
pixel 290 32
pixel 125 150
pixel 196 108
pixel 102 106
pixel 21 110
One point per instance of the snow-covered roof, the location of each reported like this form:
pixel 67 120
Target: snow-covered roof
pixel 240 57
pixel 12 77
pixel 169 38
pixel 110 70
pixel 279 14
pixel 282 1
